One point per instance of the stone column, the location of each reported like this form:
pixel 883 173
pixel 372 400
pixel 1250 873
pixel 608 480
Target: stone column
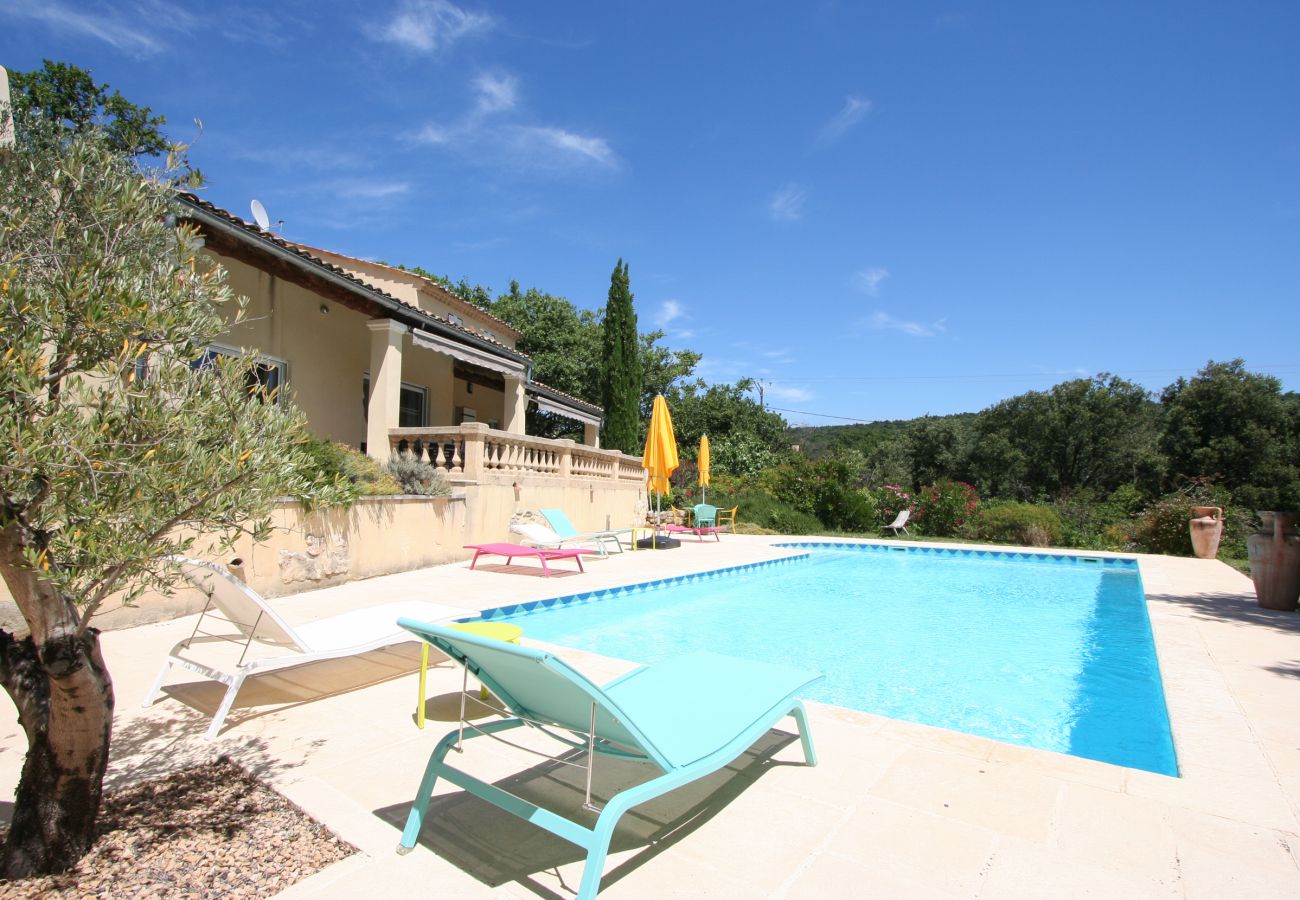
pixel 566 457
pixel 474 434
pixel 516 403
pixel 385 384
pixel 591 435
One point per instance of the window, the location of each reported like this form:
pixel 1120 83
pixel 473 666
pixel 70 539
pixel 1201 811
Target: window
pixel 412 404
pixel 265 380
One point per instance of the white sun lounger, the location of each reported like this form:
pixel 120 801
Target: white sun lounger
pixel 251 621
pixel 538 535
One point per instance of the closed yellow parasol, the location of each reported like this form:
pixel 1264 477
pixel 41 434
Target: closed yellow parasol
pixel 660 458
pixel 703 463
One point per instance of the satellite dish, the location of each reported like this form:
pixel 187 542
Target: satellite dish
pixel 259 215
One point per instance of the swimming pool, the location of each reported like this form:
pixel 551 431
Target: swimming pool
pixel 1049 651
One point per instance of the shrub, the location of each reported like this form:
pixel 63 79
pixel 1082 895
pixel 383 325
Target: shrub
pixel 762 509
pixel 891 500
pixel 365 476
pixel 417 476
pixel 1019 523
pixel 1162 527
pixel 944 507
pixel 824 490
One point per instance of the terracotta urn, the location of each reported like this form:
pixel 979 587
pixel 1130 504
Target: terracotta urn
pixel 1275 561
pixel 1207 529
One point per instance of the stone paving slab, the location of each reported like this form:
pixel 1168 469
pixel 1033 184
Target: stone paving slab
pixel 894 808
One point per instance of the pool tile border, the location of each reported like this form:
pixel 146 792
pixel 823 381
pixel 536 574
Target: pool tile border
pixel 1068 559
pixel 536 606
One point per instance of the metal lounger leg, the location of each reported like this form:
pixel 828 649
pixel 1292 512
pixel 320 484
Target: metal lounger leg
pixel 805 734
pixel 420 805
pixel 158 683
pixel 224 709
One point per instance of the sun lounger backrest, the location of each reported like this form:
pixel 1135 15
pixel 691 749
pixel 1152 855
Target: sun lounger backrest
pixel 241 605
pixel 537 685
pixel 536 532
pixel 559 522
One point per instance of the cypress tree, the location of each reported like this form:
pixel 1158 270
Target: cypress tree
pixel 621 365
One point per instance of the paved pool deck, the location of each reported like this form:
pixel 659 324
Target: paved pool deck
pixel 893 810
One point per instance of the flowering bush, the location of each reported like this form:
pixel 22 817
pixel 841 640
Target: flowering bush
pixel 944 507
pixel 891 500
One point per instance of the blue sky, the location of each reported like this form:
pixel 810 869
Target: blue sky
pixel 882 210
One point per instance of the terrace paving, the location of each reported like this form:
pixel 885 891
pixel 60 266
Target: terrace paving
pixel 894 808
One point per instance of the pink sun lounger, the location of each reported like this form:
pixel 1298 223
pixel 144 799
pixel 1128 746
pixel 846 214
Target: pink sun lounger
pixel 510 551
pixel 699 532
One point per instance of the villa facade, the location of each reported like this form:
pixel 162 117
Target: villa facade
pixel 368 348
pixel 386 360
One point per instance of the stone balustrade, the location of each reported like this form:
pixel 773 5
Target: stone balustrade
pixel 473 452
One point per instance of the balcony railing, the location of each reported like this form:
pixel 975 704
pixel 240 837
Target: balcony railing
pixel 471 452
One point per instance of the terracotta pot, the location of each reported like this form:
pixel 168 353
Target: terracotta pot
pixel 1207 529
pixel 1275 561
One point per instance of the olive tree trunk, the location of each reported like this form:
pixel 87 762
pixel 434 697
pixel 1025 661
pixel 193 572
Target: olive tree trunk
pixel 58 681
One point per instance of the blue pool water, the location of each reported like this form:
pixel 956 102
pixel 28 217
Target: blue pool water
pixel 1049 652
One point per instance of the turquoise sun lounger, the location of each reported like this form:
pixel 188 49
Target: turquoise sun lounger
pixel 603 540
pixel 657 714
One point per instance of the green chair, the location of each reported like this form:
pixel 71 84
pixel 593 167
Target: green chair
pixel 657 714
pixel 706 516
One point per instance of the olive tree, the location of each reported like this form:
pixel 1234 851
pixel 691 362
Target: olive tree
pixel 117 449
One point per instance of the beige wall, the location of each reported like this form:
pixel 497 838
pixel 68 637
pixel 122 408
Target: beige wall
pixel 488 405
pixel 383 535
pixel 325 353
pixel 375 536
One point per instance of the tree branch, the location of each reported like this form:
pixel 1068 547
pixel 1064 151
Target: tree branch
pixel 103 586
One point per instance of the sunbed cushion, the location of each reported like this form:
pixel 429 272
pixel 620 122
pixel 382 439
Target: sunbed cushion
pixel 376 625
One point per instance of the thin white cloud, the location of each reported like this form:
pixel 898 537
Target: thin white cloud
pixel 429 26
pixel 144 27
pixel 855 109
pixel 885 321
pixel 787 204
pixel 789 394
pixel 567 145
pixel 496 93
pixel 320 157
pixel 372 190
pixel 486 135
pixel 868 280
pixel 669 311
pixel 108 27
pixel 433 134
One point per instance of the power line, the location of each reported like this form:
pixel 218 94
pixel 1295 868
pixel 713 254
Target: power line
pixel 801 412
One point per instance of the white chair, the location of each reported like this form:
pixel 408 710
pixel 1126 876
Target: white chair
pixel 900 523
pixel 253 621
